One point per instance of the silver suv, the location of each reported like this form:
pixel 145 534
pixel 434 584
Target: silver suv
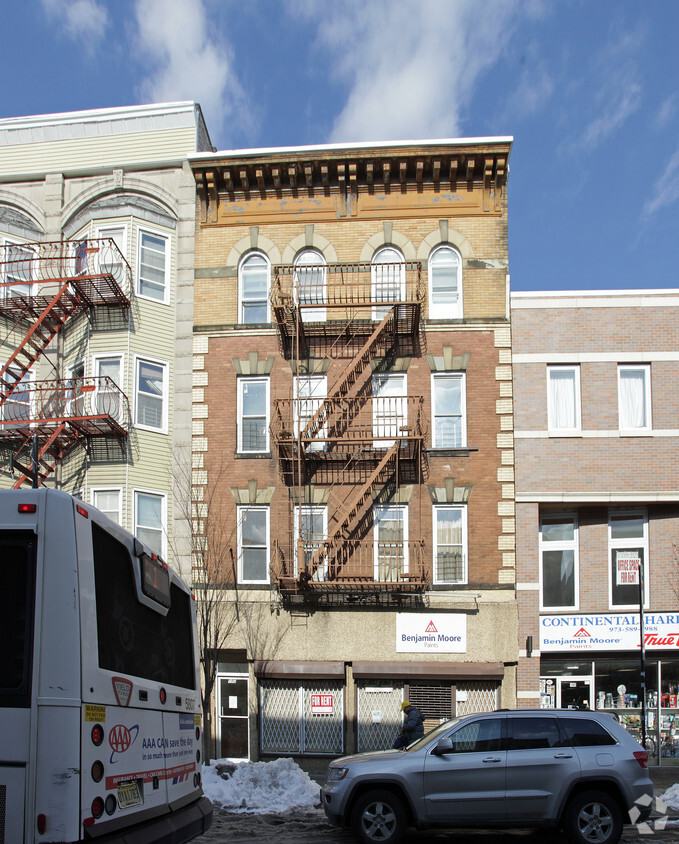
pixel 577 770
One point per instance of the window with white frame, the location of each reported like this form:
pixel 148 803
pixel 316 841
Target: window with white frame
pixel 309 392
pixel 153 274
pixel 19 405
pixel 628 550
pixel 18 271
pixel 253 544
pixel 108 396
pixel 390 537
pixel 634 398
pixel 390 407
pixel 109 501
pixel 450 543
pixel 253 415
pixel 254 273
pixel 388 279
pixel 563 399
pixel 112 250
pixel 445 283
pixel 75 396
pixel 311 527
pixel 150 520
pixel 449 409
pixel 151 391
pixel 310 284
pixel 558 561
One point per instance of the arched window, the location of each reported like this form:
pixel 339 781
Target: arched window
pixel 445 283
pixel 253 289
pixel 310 284
pixel 388 280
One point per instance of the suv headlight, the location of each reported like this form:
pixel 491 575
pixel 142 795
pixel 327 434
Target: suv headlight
pixel 336 774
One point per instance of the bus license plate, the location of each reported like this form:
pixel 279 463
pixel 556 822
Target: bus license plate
pixel 129 794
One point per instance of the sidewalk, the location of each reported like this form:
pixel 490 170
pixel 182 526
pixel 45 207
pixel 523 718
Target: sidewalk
pixel 663 776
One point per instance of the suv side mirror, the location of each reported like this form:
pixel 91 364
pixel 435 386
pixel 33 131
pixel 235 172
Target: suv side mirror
pixel 444 745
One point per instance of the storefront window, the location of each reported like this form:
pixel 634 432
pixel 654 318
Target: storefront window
pixel 668 712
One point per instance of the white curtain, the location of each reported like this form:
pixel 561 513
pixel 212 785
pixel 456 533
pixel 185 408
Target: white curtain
pixel 632 399
pixel 562 386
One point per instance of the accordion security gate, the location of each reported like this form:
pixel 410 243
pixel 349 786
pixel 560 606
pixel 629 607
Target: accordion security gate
pixel 298 717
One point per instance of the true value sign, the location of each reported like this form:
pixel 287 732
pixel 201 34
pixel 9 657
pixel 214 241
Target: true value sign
pixel 615 631
pixel 431 633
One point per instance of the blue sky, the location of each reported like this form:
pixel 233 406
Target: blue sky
pixel 588 89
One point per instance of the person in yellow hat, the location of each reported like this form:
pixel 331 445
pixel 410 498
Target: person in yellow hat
pixel 413 726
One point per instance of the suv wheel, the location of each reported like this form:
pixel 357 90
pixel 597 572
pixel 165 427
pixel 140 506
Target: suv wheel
pixel 593 817
pixel 378 816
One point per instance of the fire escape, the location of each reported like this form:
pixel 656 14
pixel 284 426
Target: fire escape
pixel 355 444
pixel 44 288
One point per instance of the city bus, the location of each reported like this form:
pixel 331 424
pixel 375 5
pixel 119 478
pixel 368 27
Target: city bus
pixel 100 712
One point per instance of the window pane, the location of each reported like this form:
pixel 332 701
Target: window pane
pixel 478 737
pixel 152 266
pixel 581 732
pixel 254 280
pixel 449 559
pixel 443 267
pixel 108 501
pixel 448 421
pixel 254 398
pixel 558 529
pixel 533 733
pixel 149 520
pixel 150 395
pixel 253 527
pixel 633 409
pixel 625 575
pixel 558 578
pixel 563 399
pixel 627 527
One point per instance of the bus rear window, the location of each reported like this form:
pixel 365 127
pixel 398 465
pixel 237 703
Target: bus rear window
pixel 133 639
pixel 17 600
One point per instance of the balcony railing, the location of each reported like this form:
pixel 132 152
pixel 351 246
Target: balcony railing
pixel 92 406
pixel 370 288
pixel 344 424
pixel 353 564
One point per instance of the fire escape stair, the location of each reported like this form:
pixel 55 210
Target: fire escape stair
pixel 47 325
pixel 49 454
pixel 352 379
pixel 350 513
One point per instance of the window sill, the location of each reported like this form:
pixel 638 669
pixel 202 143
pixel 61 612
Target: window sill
pixel 257 455
pixel 564 434
pixel 641 432
pixel 462 451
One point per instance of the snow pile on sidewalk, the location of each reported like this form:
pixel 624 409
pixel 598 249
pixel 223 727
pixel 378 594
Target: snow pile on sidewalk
pixel 278 786
pixel 671 797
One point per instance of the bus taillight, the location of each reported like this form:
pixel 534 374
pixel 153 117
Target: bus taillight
pixel 97 807
pixel 97 735
pixel 97 771
pixel 27 508
pixel 42 823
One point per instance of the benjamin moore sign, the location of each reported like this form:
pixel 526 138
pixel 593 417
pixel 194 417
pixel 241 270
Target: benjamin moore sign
pixel 609 632
pixel 431 633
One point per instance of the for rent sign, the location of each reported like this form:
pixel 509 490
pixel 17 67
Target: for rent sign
pixel 610 632
pixel 431 633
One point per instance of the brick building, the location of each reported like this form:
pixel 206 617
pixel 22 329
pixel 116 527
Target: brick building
pixel 596 379
pixel 353 458
pixel 96 272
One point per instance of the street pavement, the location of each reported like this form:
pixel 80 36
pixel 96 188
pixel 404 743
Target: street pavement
pixel 311 827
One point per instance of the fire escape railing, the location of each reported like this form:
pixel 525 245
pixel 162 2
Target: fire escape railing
pixel 42 285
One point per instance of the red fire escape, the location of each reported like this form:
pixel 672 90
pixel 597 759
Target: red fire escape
pixel 357 445
pixel 44 287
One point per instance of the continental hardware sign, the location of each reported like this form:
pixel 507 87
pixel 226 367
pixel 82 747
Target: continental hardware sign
pixel 609 632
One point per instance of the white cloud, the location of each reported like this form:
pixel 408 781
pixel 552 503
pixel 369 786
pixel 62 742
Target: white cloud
pixel 619 106
pixel 189 63
pixel 84 20
pixel 666 112
pixel 533 90
pixel 410 65
pixel 666 188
